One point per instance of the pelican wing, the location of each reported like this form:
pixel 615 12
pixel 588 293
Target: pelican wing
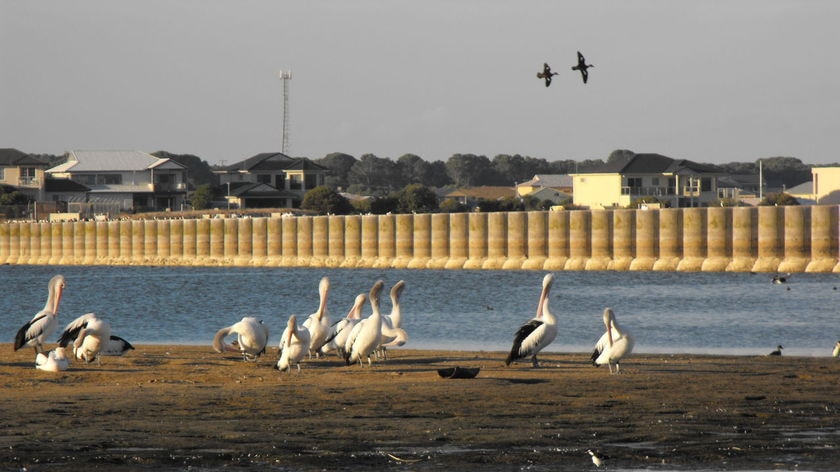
pixel 72 330
pixel 522 345
pixel 116 346
pixel 31 330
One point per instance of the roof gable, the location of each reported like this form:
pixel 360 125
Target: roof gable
pixel 652 163
pixel 12 157
pixel 273 162
pixel 105 161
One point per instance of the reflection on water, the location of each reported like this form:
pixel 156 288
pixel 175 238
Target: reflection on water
pixel 732 313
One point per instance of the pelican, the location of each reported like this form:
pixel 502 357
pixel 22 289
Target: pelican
pixel 318 323
pixel 836 352
pixel 367 334
pixel 116 346
pixel 614 344
pixel 777 352
pixel 54 361
pixel 89 333
pixel 535 335
pixel 294 344
pixel 582 66
pixel 392 332
pixel 252 338
pixel 595 459
pixel 546 74
pixel 341 329
pixel 44 323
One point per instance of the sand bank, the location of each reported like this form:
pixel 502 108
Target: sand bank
pixel 177 407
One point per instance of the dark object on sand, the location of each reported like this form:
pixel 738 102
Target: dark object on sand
pixel 459 372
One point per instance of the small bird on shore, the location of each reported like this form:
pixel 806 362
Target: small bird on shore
pixel 44 323
pixel 595 459
pixel 583 67
pixel 836 352
pixel 780 279
pixel 537 334
pixel 777 352
pixel 53 361
pixel 546 74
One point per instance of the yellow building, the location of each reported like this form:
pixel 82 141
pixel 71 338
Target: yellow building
pixel 675 183
pixel 826 185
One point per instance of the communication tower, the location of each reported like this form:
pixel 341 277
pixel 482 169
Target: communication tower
pixel 285 77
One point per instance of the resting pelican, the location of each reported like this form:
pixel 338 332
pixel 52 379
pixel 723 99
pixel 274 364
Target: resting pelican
pixel 836 352
pixel 252 338
pixel 367 334
pixel 294 344
pixel 614 344
pixel 582 66
pixel 116 346
pixel 535 335
pixel 341 329
pixel 777 352
pixel 546 74
pixel 89 334
pixel 54 361
pixel 44 323
pixel 318 323
pixel 392 332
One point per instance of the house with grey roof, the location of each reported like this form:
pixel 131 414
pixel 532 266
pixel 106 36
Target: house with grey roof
pixel 127 180
pixel 269 180
pixel 674 182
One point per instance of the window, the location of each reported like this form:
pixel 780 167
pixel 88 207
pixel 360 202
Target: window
pixel 264 179
pixel 634 182
pixel 2 173
pixel 109 179
pixel 706 184
pixel 27 175
pixel 654 181
pixel 295 182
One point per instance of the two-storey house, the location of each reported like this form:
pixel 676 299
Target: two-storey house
pixel 129 180
pixel 23 172
pixel 270 180
pixel 617 184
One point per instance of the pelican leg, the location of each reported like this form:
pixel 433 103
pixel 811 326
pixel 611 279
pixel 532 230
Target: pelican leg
pixel 534 362
pixel 609 363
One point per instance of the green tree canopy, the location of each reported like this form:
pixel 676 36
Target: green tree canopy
pixel 324 200
pixel 201 197
pixel 417 198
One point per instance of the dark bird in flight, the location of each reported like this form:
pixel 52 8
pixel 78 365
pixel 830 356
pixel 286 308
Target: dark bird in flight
pixel 546 74
pixel 582 66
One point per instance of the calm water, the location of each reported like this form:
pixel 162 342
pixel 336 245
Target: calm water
pixel 722 313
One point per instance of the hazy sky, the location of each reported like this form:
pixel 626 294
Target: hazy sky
pixel 709 81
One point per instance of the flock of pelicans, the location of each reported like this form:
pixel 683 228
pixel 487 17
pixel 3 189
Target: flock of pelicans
pixel 354 338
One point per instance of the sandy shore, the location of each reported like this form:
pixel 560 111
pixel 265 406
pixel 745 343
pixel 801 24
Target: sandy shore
pixel 186 407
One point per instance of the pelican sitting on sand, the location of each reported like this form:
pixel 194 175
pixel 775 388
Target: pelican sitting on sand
pixel 53 361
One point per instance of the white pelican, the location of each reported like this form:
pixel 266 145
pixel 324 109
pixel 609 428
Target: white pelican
pixel 318 323
pixel 367 334
pixel 836 352
pixel 44 323
pixel 252 338
pixel 89 334
pixel 341 329
pixel 614 344
pixel 53 361
pixel 117 346
pixel 294 344
pixel 535 335
pixel 777 352
pixel 595 459
pixel 392 332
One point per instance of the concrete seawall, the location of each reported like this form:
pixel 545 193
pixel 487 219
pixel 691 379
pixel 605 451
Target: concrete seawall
pixel 762 239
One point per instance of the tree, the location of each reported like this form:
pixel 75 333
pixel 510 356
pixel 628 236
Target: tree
pixel 778 199
pixel 201 197
pixel 620 155
pixel 376 174
pixel 417 198
pixel 324 200
pixel 516 169
pixel 412 168
pixel 467 170
pixel 198 171
pixel 339 165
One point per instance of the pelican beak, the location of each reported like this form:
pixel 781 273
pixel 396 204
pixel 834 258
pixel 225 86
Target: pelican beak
pixel 58 291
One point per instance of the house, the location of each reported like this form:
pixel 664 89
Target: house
pixel 674 182
pixel 124 180
pixel 826 185
pixel 23 172
pixel 560 182
pixel 270 180
pixel 474 195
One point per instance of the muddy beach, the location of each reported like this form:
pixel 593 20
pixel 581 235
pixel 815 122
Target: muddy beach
pixel 185 407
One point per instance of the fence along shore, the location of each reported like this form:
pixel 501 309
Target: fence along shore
pixel 758 239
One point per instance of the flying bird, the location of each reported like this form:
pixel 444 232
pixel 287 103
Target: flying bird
pixel 546 74
pixel 44 323
pixel 583 67
pixel 614 345
pixel 252 338
pixel 535 335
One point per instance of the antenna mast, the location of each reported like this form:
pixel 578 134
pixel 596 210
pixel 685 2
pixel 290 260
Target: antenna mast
pixel 285 77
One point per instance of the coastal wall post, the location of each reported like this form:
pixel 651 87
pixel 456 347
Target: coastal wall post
pixel 475 240
pixel 558 240
pixel 796 241
pixel 600 240
pixel 693 239
pixel 352 241
pixel 670 239
pixel 404 235
pixel 718 227
pixel 536 240
pixel 421 241
pixel 770 239
pixel 320 241
pixel 495 240
pixel 623 240
pixel 440 241
pixel 579 240
pixel 824 239
pixel 458 240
